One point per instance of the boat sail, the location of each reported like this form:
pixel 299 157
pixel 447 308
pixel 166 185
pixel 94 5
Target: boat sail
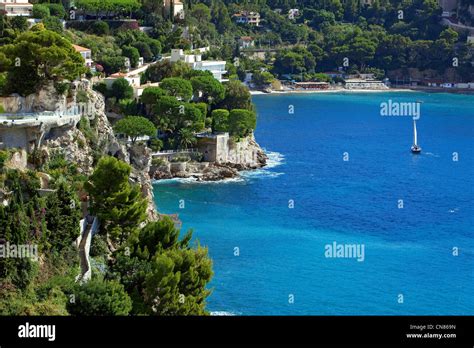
pixel 415 148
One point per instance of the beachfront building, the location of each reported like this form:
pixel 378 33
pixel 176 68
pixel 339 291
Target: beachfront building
pixel 16 8
pixel 86 53
pixel 216 67
pixel 310 85
pixel 173 9
pixel 364 84
pixel 247 17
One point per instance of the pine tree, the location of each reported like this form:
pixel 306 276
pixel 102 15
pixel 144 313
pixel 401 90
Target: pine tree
pixel 120 206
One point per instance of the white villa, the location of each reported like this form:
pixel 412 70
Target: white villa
pixel 86 53
pixel 216 67
pixel 133 80
pixel 14 8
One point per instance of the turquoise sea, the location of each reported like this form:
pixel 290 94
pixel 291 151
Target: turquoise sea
pixel 412 214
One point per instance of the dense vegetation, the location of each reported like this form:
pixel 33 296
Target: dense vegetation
pixel 140 267
pixel 143 267
pixel 327 35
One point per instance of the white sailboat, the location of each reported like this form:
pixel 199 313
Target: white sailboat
pixel 415 148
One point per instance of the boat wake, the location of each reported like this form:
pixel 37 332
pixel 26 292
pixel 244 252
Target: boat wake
pixel 431 154
pixel 224 314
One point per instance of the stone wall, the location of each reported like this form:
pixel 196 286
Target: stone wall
pixel 214 148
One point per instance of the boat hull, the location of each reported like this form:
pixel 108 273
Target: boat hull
pixel 416 150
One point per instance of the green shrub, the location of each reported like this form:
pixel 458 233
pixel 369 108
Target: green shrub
pixel 157 162
pixel 100 298
pixel 57 161
pixel 132 54
pixel 220 120
pixel 156 144
pixel 242 122
pixel 128 107
pixel 100 28
pixel 197 156
pixel 53 24
pixel 101 87
pixel 121 89
pixel 86 129
pixel 82 97
pixel 4 157
pixel 62 88
pixel 57 10
pixel 181 158
pixel 3 86
pixel 99 245
pixel 40 11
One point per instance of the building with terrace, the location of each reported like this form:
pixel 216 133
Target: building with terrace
pixel 247 17
pixel 16 8
pixel 86 53
pixel 216 67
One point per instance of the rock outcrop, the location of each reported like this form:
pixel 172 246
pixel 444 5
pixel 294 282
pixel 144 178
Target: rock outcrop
pixel 244 154
pixel 78 147
pixel 46 99
pixel 73 143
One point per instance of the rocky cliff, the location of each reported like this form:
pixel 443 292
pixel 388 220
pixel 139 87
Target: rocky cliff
pixel 81 146
pixel 77 145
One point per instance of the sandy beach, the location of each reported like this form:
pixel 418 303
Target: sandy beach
pixel 338 90
pixel 343 90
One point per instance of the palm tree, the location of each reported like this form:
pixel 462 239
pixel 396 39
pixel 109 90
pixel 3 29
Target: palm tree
pixel 186 138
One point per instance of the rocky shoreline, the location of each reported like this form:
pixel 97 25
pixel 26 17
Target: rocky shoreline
pixel 243 155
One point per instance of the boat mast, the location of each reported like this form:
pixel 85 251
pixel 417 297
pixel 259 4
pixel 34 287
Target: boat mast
pixel 415 138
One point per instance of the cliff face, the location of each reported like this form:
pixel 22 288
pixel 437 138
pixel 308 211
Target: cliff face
pixel 246 154
pixel 46 99
pixel 73 142
pixel 80 147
